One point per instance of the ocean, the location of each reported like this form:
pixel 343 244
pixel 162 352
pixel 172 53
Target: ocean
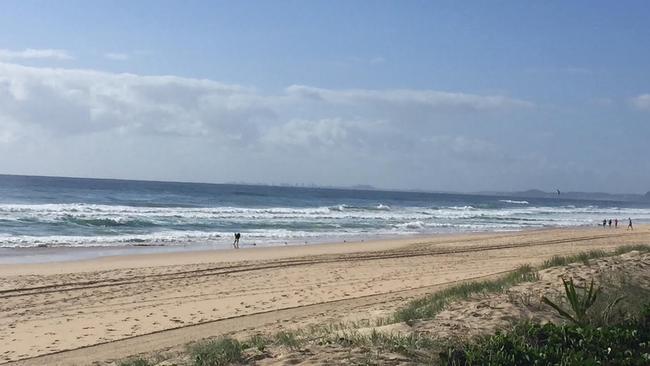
pixel 75 212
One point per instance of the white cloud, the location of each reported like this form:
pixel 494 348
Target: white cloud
pixel 115 56
pixel 641 102
pixel 71 101
pixel 30 53
pixel 81 101
pixel 408 97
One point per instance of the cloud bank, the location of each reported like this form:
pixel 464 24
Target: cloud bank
pixel 65 101
pixel 91 123
pixel 30 53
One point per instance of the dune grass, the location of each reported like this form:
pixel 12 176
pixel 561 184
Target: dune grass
pixel 431 305
pixel 626 343
pixel 135 362
pixel 428 306
pixel 583 257
pixel 291 339
pixel 216 352
pixel 643 248
pixel 417 347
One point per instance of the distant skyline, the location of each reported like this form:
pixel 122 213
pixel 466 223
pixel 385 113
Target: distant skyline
pixel 431 95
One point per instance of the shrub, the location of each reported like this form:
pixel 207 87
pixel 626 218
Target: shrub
pixel 257 341
pixel 135 362
pixel 533 344
pixel 289 339
pixel 216 352
pixel 580 302
pixel 429 306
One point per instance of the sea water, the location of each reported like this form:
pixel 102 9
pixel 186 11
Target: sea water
pixel 72 212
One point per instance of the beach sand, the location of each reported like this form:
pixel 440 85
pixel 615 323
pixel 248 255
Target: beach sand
pixel 108 308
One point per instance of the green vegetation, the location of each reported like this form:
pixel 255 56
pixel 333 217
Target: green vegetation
pixel 218 352
pixel 620 301
pixel 258 341
pixel 643 248
pixel 533 344
pixel 289 339
pixel 580 302
pixel 135 362
pixel 429 306
pixel 417 347
pixel 583 257
pixel 591 339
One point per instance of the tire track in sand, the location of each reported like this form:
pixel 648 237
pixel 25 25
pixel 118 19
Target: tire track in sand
pixel 321 259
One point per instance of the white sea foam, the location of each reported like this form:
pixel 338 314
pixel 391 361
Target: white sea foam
pixel 411 225
pixel 515 202
pixel 99 225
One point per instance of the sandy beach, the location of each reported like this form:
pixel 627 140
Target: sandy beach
pixel 98 310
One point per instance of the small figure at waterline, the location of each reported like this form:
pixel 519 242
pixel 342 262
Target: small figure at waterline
pixel 629 226
pixel 235 244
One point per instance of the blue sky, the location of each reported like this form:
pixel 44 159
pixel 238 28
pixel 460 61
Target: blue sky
pixel 440 95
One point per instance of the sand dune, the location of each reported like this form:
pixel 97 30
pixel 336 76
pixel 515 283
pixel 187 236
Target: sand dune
pixel 97 310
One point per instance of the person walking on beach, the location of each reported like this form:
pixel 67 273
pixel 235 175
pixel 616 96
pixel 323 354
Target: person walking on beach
pixel 605 223
pixel 629 226
pixel 235 244
pixel 615 223
pixel 610 222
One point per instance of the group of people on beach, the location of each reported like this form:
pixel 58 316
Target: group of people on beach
pixel 607 223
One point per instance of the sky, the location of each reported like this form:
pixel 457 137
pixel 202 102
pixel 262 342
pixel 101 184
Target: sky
pixel 435 95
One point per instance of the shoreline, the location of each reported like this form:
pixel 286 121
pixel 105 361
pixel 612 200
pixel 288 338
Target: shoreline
pixel 87 257
pixel 76 259
pixel 62 254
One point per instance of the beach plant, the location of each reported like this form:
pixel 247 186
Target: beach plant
pixel 257 341
pixel 627 343
pixel 622 298
pixel 429 306
pixel 135 362
pixel 289 339
pixel 416 346
pixel 584 257
pixel 642 248
pixel 217 352
pixel 580 300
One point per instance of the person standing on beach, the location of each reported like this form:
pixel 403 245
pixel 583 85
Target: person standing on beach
pixel 629 226
pixel 615 223
pixel 235 244
pixel 605 223
pixel 610 222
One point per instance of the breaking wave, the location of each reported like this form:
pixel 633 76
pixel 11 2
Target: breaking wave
pixel 515 202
